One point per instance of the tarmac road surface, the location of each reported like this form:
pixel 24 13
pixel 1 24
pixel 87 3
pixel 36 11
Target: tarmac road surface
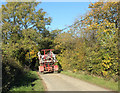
pixel 60 82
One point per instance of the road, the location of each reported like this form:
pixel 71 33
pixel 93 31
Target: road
pixel 60 82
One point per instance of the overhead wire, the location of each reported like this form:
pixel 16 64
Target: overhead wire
pixel 73 24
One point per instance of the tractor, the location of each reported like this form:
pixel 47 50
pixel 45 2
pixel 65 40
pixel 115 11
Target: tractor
pixel 48 62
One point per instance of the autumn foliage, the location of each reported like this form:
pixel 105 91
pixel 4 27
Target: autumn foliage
pixel 23 35
pixel 91 45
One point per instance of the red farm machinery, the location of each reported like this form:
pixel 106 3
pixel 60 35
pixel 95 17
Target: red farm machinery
pixel 48 62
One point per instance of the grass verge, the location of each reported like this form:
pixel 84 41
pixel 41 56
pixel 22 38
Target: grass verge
pixel 94 80
pixel 29 82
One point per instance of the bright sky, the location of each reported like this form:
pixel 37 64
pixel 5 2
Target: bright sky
pixel 63 14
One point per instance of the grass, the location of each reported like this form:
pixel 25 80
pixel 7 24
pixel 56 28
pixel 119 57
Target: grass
pixel 29 82
pixel 94 80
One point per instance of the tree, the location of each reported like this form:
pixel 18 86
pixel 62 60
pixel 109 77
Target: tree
pixel 95 40
pixel 23 27
pixel 23 30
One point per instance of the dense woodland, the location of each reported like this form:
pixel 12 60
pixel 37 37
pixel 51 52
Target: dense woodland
pixel 90 45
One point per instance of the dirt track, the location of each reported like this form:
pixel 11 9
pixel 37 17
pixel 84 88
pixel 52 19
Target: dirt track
pixel 60 82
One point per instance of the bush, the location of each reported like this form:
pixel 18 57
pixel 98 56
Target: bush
pixel 11 69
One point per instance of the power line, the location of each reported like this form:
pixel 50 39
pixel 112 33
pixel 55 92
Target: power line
pixel 73 24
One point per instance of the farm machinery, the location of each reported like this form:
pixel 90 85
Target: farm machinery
pixel 48 62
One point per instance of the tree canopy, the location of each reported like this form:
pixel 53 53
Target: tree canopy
pixel 24 33
pixel 90 45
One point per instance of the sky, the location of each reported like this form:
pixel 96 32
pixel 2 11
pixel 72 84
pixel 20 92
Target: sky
pixel 63 14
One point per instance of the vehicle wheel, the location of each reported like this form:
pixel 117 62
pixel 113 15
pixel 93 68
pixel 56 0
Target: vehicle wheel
pixel 41 72
pixel 55 71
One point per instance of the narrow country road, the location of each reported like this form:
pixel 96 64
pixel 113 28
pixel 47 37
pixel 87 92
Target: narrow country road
pixel 60 82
